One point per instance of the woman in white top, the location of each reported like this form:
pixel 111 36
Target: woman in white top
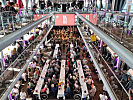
pixel 22 95
pixel 103 96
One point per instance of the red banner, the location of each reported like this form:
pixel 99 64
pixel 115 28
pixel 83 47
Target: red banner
pixel 64 19
pixel 91 17
pixel 38 16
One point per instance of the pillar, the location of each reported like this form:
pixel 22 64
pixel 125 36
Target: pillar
pixel 106 4
pixel 129 2
pixel 2 58
pixel 113 5
pixel 100 6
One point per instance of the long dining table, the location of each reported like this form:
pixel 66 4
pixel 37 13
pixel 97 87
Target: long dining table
pixel 83 84
pixel 56 51
pixel 62 81
pixel 40 82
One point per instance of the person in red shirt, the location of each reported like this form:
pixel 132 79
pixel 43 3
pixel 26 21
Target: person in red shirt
pixel 31 38
pixel 7 6
pixel 68 63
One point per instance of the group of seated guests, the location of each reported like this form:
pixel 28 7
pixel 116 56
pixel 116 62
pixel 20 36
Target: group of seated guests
pixel 29 78
pixel 20 46
pixel 51 80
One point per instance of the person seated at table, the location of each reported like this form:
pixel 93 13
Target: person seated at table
pixel 76 86
pixel 54 80
pixel 66 70
pixel 18 85
pixel 45 89
pixel 87 72
pixel 85 61
pixel 85 96
pixel 41 53
pixel 85 66
pixel 42 62
pixel 103 96
pixel 49 74
pixel 31 84
pixel 68 91
pixel 31 38
pixel 59 54
pixel 24 77
pixel 54 89
pixel 92 92
pixel 15 92
pixel 89 82
pixel 22 95
pixel 36 34
pixel 49 83
pixel 36 75
pixel 58 62
pixel 30 72
pixel 29 91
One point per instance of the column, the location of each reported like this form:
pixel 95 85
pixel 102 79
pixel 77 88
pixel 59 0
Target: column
pixel 2 64
pixel 129 2
pixel 100 4
pixel 106 4
pixel 113 5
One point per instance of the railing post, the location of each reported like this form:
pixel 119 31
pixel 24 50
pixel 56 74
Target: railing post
pixel 2 21
pixel 2 64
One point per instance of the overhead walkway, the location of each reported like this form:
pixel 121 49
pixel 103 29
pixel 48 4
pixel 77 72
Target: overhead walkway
pixel 8 39
pixel 125 54
pixel 101 73
pixel 109 78
pixel 10 22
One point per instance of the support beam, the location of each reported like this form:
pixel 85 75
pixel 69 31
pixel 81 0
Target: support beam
pixel 2 64
pixel 7 40
pixel 100 5
pixel 121 51
pixel 106 4
pixel 113 5
pixel 128 2
pixel 5 95
pixel 102 76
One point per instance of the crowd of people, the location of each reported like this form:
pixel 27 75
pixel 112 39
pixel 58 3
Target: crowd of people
pixel 117 65
pixel 70 49
pixel 20 46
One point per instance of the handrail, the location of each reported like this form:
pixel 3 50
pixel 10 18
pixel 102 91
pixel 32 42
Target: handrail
pixel 120 50
pixel 102 76
pixel 5 95
pixel 111 70
pixel 17 58
pixel 7 40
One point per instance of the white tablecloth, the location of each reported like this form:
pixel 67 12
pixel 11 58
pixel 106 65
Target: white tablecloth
pixel 41 79
pixel 62 79
pixel 56 51
pixel 81 80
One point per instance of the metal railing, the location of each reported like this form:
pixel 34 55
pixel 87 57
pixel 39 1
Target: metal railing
pixel 101 73
pixel 16 77
pixel 120 50
pixel 8 39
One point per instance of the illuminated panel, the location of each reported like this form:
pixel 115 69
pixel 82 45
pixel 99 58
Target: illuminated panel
pixel 64 19
pixel 91 17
